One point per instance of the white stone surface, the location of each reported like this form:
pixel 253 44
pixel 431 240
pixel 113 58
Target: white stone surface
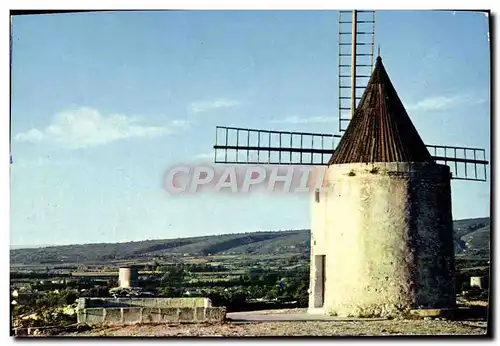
pixel 127 277
pixel 386 232
pixel 477 281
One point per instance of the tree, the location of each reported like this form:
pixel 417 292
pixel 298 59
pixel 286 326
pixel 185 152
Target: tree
pixel 272 293
pixel 67 297
pixel 169 292
pixel 174 276
pixel 98 292
pixel 155 266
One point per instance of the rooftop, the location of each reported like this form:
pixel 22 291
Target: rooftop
pixel 380 129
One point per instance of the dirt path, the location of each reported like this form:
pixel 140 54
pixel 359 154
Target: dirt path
pixel 291 315
pixel 297 328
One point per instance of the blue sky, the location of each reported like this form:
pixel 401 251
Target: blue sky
pixel 104 103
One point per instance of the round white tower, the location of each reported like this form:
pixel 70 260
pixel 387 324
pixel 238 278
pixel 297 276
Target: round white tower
pixel 382 235
pixel 382 240
pixel 127 277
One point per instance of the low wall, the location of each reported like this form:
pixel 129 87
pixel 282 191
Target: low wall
pixel 93 311
pixel 132 315
pixel 85 303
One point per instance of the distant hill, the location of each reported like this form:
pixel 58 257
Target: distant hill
pixel 472 238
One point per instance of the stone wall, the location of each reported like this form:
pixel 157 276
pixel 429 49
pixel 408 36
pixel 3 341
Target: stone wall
pixel 386 231
pixel 123 316
pixel 94 311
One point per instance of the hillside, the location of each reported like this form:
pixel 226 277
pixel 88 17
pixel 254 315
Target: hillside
pixel 472 237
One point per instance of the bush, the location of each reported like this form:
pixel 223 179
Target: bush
pixel 169 292
pixel 485 295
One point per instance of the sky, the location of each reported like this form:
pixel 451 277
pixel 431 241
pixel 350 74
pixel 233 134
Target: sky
pixel 102 104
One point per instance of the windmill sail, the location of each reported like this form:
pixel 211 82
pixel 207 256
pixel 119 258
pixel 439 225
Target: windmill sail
pixel 355 48
pixel 236 145
pixel 253 146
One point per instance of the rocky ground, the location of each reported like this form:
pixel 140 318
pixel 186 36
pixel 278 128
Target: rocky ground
pixel 373 327
pixel 295 328
pixel 286 322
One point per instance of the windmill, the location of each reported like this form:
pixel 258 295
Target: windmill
pixel 381 233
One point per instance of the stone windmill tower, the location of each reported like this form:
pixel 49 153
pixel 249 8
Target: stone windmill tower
pixel 381 233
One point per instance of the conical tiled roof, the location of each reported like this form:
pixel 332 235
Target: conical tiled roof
pixel 380 129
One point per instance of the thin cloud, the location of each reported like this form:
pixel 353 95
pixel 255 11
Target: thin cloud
pixel 443 103
pixel 205 106
pixel 33 136
pixel 87 127
pixel 204 156
pixel 180 123
pixel 300 120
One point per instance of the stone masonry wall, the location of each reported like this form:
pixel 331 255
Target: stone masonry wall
pixel 124 316
pixel 115 311
pixel 386 232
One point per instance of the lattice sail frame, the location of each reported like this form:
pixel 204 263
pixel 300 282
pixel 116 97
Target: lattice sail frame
pixel 234 145
pixel 355 65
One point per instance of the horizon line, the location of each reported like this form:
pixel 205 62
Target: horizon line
pixel 26 247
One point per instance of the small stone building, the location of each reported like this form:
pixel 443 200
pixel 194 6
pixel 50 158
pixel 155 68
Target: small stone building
pixel 381 233
pixel 128 276
pixel 478 281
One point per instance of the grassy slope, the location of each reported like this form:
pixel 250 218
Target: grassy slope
pixel 472 237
